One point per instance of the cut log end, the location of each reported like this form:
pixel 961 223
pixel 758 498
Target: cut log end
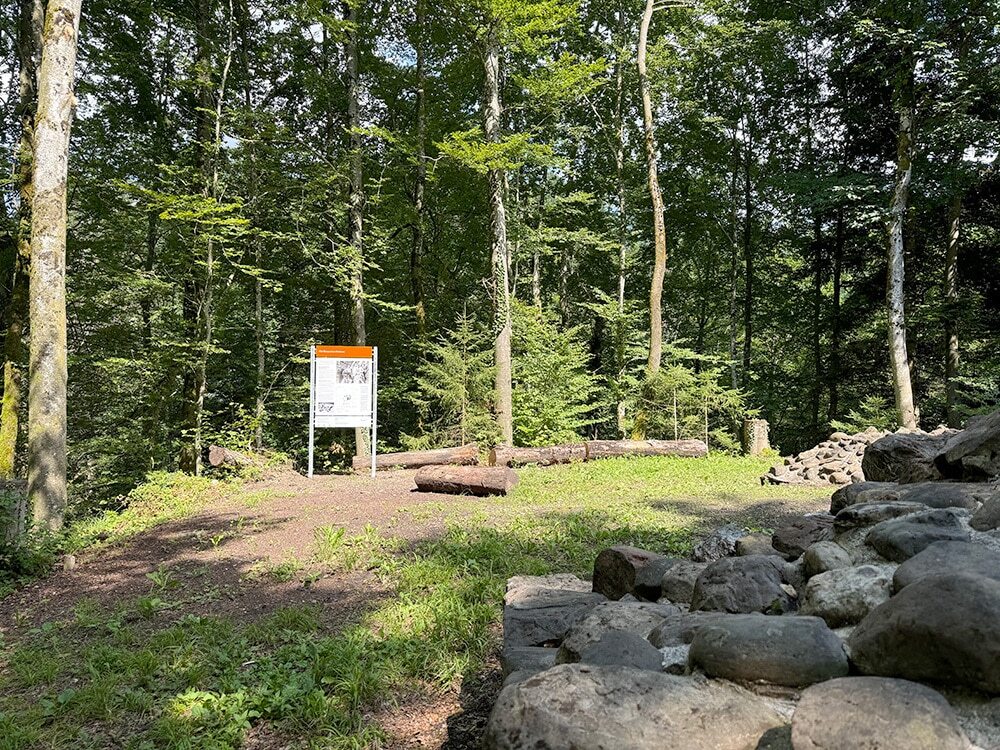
pixel 480 481
pixel 224 458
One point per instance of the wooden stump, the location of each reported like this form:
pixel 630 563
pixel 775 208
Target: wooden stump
pixel 466 480
pixel 219 457
pixel 756 437
pixel 465 455
pixel 547 456
pixel 612 448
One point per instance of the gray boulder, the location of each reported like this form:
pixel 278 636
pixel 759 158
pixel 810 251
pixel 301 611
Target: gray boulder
pixel 974 453
pixel 612 617
pixel 875 713
pixel 868 514
pixel 536 615
pixel 902 538
pixel 679 630
pixel 792 651
pixel 845 596
pixel 946 494
pixel 849 495
pixel 824 556
pixel 796 536
pixel 649 578
pixel 610 708
pixel 948 557
pixel 942 628
pixel 623 649
pixel 531 659
pixel 987 518
pixel 755 544
pixel 742 585
pixel 720 543
pixel 677 584
pixel 779 738
pixel 903 457
pixel 561 581
pixel 616 568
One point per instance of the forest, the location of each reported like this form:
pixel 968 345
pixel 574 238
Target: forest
pixel 555 218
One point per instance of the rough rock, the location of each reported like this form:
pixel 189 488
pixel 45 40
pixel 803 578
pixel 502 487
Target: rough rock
pixel 974 453
pixel 875 713
pixel 779 738
pixel 615 569
pixel 795 537
pixel 837 460
pixel 625 649
pixel 742 584
pixel 942 628
pixel 536 615
pixel 845 596
pixel 720 543
pixel 609 708
pixel 903 457
pixel 674 659
pixel 564 581
pixel 649 578
pixel 679 630
pixel 848 495
pixel 948 557
pixel 755 544
pixel 868 514
pixel 612 617
pixel 824 556
pixel 987 517
pixel 902 538
pixel 946 494
pixel 791 651
pixel 677 584
pixel 531 659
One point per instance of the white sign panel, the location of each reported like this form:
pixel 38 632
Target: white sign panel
pixel 343 391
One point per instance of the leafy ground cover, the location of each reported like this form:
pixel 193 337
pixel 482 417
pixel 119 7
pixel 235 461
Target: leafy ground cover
pixel 170 660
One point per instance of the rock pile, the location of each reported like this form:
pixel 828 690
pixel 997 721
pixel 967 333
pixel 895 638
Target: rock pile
pixel 875 626
pixel 839 458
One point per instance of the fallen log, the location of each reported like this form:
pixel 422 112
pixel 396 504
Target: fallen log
pixel 547 456
pixel 219 457
pixel 466 480
pixel 613 448
pixel 465 455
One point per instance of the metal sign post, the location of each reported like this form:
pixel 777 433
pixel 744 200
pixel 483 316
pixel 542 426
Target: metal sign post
pixel 343 392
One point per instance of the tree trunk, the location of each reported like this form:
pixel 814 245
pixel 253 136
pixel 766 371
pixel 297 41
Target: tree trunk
pixel 833 369
pixel 417 248
pixel 817 319
pixel 466 480
pixel 747 257
pixel 547 456
pixel 659 228
pixel 613 448
pixel 499 252
pixel 464 455
pixel 47 377
pixel 29 40
pixel 734 267
pixel 951 305
pixel 899 361
pixel 356 197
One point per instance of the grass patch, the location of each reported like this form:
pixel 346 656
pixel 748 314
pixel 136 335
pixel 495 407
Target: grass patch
pixel 126 679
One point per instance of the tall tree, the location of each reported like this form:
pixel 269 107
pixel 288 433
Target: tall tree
pixel 47 374
pixel 656 196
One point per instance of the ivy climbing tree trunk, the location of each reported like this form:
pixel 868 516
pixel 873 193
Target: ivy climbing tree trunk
pixel 29 41
pixel 898 359
pixel 659 227
pixel 47 351
pixel 356 196
pixel 499 251
pixel 951 304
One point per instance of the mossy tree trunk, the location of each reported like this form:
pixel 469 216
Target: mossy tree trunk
pixel 47 310
pixel 29 44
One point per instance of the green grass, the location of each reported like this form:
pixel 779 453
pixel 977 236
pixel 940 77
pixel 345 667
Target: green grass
pixel 116 679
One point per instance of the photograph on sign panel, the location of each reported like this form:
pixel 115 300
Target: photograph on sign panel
pixel 353 371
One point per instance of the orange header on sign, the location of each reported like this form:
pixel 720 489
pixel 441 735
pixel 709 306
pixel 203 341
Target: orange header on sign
pixel 344 352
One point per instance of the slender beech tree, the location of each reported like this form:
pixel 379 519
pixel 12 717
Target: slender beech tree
pixel 420 179
pixel 47 373
pixel 656 196
pixel 951 303
pixel 898 358
pixel 29 43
